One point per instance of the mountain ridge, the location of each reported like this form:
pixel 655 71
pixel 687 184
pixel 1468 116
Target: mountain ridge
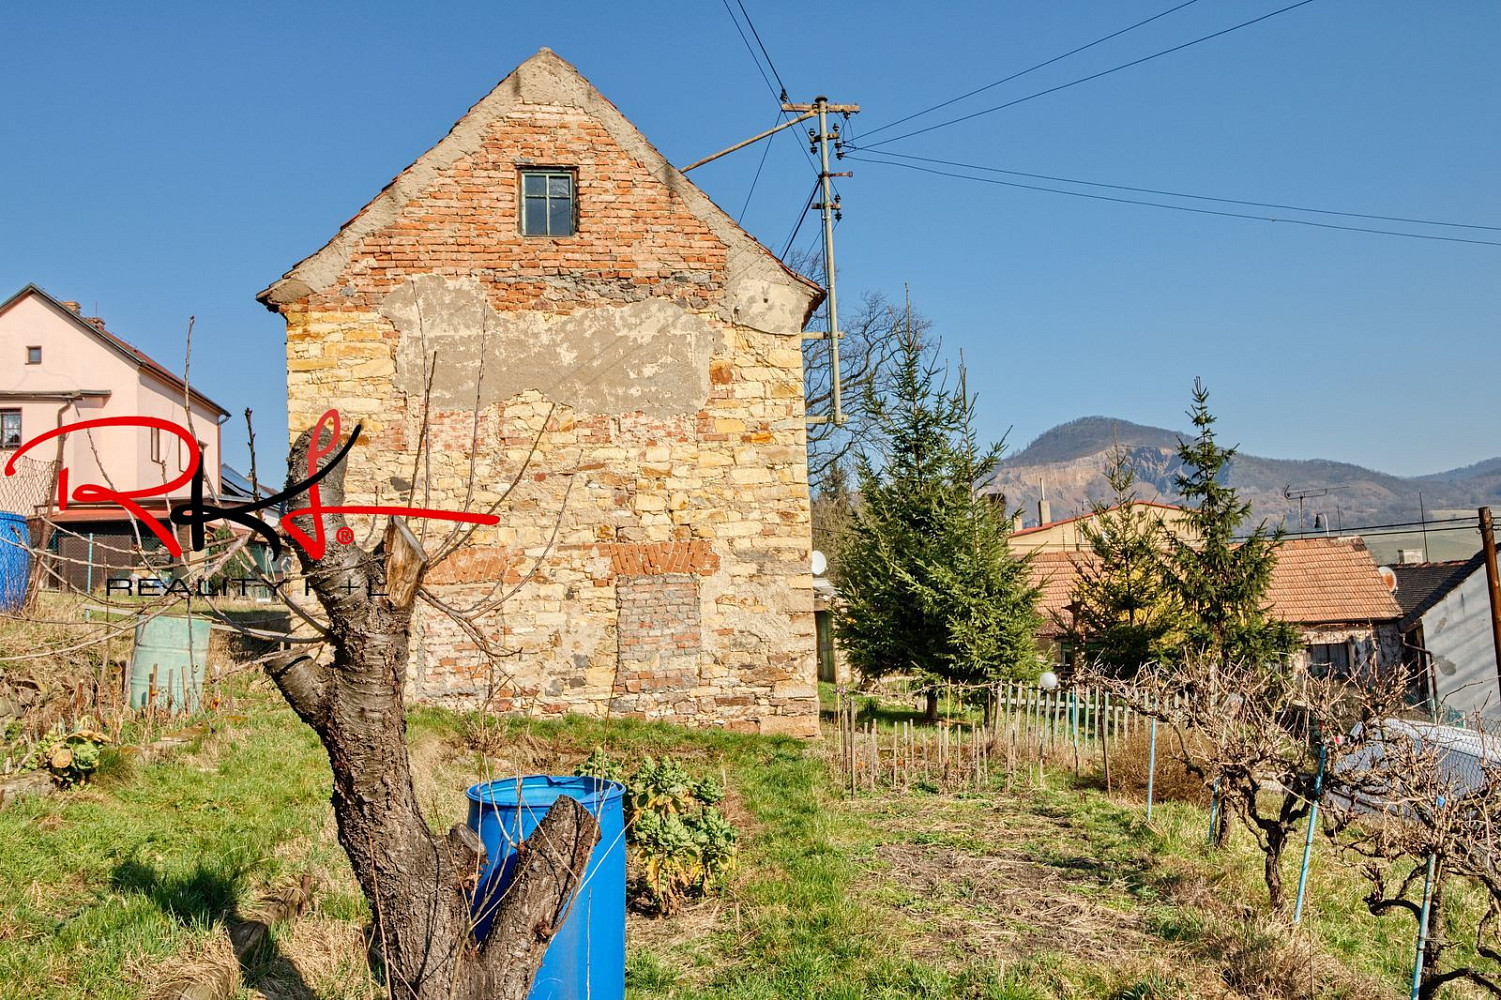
pixel 1069 461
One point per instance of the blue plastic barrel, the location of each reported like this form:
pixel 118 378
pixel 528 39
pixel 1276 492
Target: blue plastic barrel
pixel 586 958
pixel 171 650
pixel 15 560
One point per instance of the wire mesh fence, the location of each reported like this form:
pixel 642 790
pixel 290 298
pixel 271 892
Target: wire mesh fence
pixel 28 488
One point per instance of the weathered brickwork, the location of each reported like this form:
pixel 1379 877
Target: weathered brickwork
pixel 629 399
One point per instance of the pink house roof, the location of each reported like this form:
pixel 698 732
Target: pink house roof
pixel 95 327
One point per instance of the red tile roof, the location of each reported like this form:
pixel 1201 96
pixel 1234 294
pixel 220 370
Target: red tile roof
pixel 1320 580
pixel 1316 581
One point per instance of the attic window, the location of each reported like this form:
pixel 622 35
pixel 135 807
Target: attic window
pixel 33 355
pixel 547 203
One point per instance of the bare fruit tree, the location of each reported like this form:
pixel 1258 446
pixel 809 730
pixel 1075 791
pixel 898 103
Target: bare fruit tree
pixel 343 671
pixel 1254 734
pixel 1418 814
pixel 419 883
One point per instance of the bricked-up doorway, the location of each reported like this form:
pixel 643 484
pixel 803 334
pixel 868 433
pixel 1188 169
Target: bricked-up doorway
pixel 661 644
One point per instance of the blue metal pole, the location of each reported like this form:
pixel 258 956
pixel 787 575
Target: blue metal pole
pixel 88 585
pixel 1417 965
pixel 1214 808
pixel 1313 820
pixel 1073 717
pixel 1151 768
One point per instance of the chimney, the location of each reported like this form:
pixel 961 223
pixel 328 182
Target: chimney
pixel 97 322
pixel 1044 509
pixel 72 307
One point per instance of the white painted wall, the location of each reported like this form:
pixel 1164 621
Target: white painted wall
pixel 1457 631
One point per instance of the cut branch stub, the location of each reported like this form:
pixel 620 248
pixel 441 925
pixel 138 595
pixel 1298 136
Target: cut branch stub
pixel 406 562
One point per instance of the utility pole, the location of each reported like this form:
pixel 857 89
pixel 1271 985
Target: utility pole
pixel 829 209
pixel 1488 544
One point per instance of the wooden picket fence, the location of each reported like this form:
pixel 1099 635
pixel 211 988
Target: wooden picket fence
pixel 1024 729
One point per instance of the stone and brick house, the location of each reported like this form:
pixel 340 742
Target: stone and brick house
pixel 543 274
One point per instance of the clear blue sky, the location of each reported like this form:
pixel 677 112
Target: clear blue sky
pixel 172 159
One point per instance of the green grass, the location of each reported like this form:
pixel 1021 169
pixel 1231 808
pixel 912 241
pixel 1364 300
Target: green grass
pixel 102 879
pixel 1027 894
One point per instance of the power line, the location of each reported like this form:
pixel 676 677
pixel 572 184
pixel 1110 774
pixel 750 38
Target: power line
pixel 1178 208
pixel 1031 69
pixel 1180 194
pixel 1094 76
pixel 776 96
pixel 765 148
pixel 752 52
pixel 762 44
pixel 808 204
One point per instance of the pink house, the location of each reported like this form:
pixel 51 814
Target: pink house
pixel 58 367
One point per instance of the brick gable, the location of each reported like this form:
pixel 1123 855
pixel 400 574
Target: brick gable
pixel 649 367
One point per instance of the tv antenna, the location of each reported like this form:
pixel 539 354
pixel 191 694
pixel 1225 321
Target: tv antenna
pixel 1308 493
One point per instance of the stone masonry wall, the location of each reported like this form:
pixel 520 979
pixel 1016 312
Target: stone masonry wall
pixel 608 394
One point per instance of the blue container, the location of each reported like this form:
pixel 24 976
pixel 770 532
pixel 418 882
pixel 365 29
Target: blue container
pixel 586 958
pixel 15 560
pixel 172 651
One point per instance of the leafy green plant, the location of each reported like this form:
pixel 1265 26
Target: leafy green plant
pixel 682 844
pixel 73 756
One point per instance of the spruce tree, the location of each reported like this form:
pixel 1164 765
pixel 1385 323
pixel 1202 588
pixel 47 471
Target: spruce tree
pixel 929 585
pixel 1123 615
pixel 1220 582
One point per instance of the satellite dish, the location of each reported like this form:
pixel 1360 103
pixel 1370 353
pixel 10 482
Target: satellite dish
pixel 1390 576
pixel 820 564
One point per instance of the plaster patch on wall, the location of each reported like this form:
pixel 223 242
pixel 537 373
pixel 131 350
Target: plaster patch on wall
pixel 651 356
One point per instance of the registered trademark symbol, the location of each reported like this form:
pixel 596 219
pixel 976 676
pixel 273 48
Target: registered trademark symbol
pixel 345 535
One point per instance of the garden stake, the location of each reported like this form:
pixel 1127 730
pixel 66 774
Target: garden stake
pixel 1214 808
pixel 1313 819
pixel 1417 965
pixel 1152 770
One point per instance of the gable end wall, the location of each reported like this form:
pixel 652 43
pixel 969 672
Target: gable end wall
pixel 658 536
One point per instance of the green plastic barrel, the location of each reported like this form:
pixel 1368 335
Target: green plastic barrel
pixel 173 648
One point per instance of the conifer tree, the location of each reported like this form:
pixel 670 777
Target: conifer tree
pixel 930 586
pixel 1123 614
pixel 1222 582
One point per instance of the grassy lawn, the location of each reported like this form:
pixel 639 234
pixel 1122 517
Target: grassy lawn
pixel 124 888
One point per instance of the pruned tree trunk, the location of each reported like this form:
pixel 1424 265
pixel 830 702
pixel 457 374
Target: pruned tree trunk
pixel 930 710
pixel 1272 870
pixel 418 883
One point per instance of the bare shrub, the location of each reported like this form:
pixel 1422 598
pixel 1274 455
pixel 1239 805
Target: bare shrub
pixel 1172 782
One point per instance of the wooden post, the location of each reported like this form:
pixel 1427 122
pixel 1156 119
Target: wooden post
pixel 1105 743
pixel 1488 545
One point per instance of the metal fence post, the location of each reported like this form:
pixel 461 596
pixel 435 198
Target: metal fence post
pixel 1313 820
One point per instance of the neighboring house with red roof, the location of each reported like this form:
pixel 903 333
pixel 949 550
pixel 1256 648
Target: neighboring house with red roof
pixel 1329 587
pixel 58 367
pixel 1446 629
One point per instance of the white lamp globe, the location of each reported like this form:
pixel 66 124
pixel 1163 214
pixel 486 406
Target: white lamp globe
pixel 1048 681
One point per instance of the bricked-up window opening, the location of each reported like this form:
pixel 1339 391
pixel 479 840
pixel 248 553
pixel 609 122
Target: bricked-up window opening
pixel 10 428
pixel 33 355
pixel 547 205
